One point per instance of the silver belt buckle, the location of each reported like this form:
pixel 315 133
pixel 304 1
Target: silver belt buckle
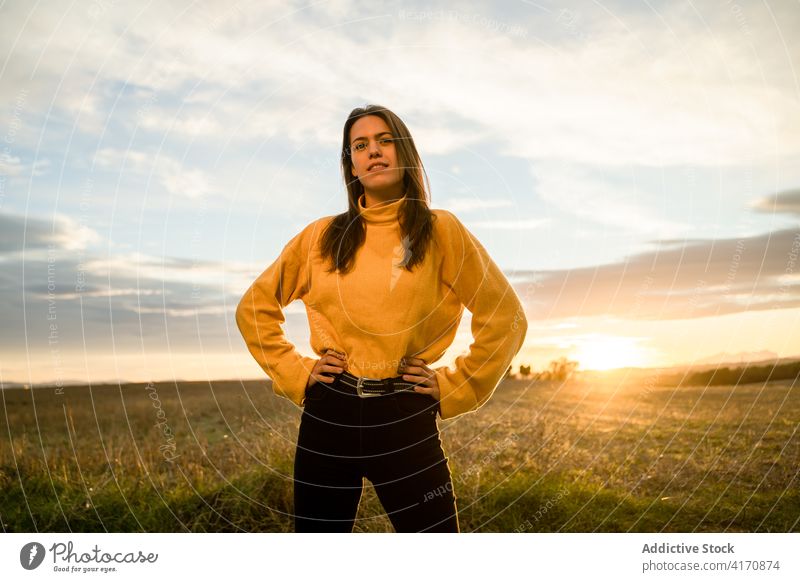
pixel 360 387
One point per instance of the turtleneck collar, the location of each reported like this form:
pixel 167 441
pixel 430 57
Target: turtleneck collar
pixel 380 213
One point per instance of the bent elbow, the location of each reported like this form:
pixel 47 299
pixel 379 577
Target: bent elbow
pixel 520 325
pixel 245 305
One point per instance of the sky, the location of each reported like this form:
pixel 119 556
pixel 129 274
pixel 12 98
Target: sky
pixel 633 167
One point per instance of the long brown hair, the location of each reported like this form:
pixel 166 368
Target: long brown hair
pixel 345 234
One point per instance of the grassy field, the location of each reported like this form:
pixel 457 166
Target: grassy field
pixel 589 455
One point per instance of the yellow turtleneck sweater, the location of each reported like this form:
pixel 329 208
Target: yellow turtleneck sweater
pixel 379 312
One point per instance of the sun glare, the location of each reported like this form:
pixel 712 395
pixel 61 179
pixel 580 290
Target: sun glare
pixel 608 353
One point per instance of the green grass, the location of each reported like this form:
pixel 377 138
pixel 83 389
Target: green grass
pixel 604 455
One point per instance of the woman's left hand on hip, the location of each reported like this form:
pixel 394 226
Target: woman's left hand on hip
pixel 415 370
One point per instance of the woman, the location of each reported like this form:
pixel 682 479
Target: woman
pixel 384 285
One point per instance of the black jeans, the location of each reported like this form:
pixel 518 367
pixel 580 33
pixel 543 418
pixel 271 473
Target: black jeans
pixel 392 440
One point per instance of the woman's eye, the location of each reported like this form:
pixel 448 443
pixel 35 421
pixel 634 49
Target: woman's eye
pixel 361 146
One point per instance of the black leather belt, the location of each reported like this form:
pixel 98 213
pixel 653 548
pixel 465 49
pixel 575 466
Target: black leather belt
pixel 366 387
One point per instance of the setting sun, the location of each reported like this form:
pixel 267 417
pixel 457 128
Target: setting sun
pixel 608 352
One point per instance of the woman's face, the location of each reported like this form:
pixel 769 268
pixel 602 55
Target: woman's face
pixel 374 158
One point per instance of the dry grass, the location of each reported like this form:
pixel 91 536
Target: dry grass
pixel 605 455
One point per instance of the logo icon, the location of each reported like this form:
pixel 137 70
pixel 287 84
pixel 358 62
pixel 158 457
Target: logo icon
pixel 31 555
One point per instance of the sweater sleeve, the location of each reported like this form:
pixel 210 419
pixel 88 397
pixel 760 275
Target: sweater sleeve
pixel 259 317
pixel 498 322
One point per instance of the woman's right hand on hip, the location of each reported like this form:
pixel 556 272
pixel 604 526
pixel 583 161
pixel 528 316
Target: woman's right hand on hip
pixel 332 362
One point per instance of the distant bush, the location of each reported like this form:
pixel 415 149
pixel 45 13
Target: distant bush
pixel 559 370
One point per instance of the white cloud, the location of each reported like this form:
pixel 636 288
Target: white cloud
pixel 71 235
pixel 189 183
pixel 43 236
pixel 511 224
pixel 231 276
pixel 782 202
pixel 173 175
pixel 699 278
pixel 10 165
pixel 673 92
pixel 459 205
pixel 14 167
pixel 187 311
pixel 572 189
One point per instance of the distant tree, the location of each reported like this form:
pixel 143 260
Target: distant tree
pixel 744 374
pixel 560 369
